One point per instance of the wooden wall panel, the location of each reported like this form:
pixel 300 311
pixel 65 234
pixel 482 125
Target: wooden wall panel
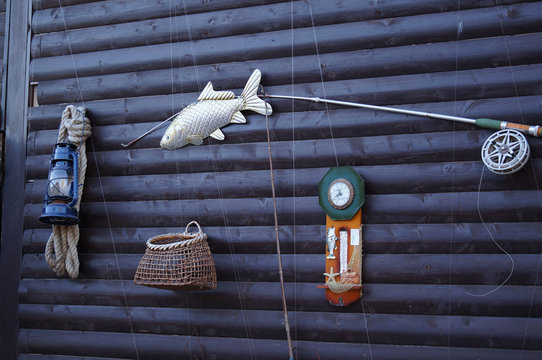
pixel 14 132
pixel 437 222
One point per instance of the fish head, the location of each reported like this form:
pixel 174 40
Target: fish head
pixel 174 137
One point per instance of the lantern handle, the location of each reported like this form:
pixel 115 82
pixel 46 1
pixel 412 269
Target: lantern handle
pixel 75 183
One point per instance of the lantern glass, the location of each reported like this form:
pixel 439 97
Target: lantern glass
pixel 60 184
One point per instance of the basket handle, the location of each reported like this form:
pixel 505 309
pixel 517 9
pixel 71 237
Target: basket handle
pixel 190 223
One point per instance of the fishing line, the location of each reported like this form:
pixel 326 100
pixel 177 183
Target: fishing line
pixel 494 241
pixel 275 217
pixel 458 34
pixel 232 256
pixel 334 149
pixel 366 329
pixel 172 56
pixel 223 209
pixel 323 85
pixel 171 32
pixel 534 172
pixel 294 231
pixel 101 187
pixel 539 265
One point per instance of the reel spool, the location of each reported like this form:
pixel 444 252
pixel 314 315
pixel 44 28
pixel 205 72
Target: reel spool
pixel 505 152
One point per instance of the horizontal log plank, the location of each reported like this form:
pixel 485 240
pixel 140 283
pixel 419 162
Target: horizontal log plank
pixel 456 238
pixel 398 60
pixel 391 90
pixel 306 125
pixel 504 206
pixel 275 16
pixel 151 346
pixel 380 179
pixel 513 19
pixel 227 22
pixel 46 4
pixel 60 357
pixel 465 269
pixel 472 331
pixel 94 13
pixel 174 27
pixel 135 110
pixel 139 9
pixel 514 301
pixel 439 147
pixel 507 301
pixel 400 149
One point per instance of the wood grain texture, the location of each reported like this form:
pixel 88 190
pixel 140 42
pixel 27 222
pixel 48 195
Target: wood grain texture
pixel 515 19
pixel 381 268
pixel 436 221
pixel 400 60
pixel 437 238
pixel 427 299
pixel 152 345
pixel 309 326
pixel 14 125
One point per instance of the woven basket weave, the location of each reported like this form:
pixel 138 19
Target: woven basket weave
pixel 177 262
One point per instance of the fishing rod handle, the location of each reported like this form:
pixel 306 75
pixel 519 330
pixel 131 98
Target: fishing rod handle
pixel 533 130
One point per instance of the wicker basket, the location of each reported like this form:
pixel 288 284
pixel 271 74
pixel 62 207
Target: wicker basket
pixel 177 262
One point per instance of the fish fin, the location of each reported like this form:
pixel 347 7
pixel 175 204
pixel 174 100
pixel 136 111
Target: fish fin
pixel 250 94
pixel 217 134
pixel 195 139
pixel 209 94
pixel 238 118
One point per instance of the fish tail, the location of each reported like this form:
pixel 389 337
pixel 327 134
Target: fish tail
pixel 250 94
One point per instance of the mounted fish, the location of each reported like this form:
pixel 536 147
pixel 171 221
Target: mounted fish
pixel 213 110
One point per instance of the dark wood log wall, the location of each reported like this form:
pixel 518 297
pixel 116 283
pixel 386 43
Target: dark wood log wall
pixel 435 220
pixel 2 70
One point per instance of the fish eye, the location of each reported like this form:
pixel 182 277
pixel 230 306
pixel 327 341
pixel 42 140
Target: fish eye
pixel 167 138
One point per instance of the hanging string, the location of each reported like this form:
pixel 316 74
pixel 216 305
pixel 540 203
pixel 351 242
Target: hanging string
pixel 294 232
pixel 532 165
pixel 323 85
pixel 494 241
pixel 173 15
pixel 61 248
pixel 452 210
pixel 277 238
pixel 539 195
pixel 128 314
pixel 237 277
pixel 335 150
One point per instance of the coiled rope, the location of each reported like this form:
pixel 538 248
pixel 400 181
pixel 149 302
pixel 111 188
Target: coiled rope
pixel 61 249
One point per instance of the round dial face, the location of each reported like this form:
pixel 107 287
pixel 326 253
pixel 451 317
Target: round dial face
pixel 340 193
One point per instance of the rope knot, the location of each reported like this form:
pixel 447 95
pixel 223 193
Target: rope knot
pixel 74 126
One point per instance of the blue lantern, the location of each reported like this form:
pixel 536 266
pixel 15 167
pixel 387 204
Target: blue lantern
pixel 62 188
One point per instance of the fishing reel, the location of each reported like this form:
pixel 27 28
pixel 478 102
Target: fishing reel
pixel 506 152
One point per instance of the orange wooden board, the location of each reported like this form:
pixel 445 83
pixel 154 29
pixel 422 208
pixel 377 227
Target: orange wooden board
pixel 354 294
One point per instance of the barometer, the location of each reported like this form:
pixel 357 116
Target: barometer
pixel 341 195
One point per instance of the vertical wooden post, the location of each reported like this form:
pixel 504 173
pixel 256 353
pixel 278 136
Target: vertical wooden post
pixel 14 107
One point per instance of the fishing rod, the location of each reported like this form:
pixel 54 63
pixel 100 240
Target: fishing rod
pixel 482 122
pixel 150 130
pixel 505 152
